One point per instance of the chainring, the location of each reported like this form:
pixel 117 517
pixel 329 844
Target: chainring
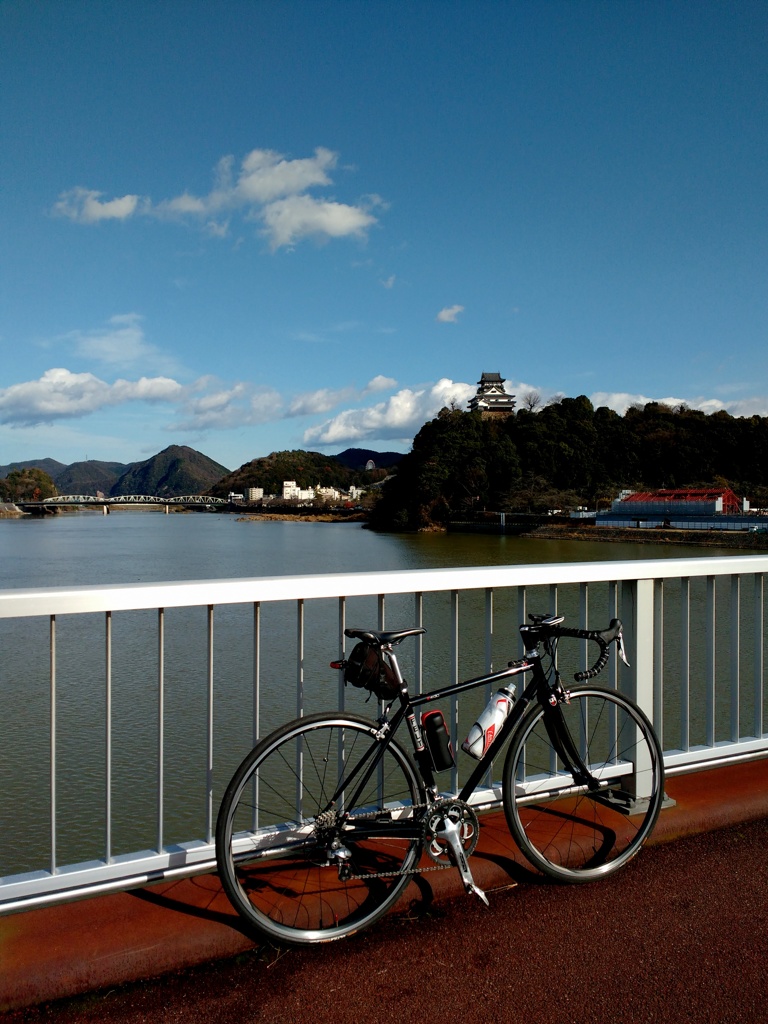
pixel 459 812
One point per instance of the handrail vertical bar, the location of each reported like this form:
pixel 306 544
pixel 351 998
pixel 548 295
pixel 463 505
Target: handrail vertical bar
pixel 709 650
pixel 52 740
pixel 522 614
pixel 418 609
pixel 256 724
pixel 382 618
pixel 613 613
pixel 299 703
pixel 638 618
pixel 583 624
pixel 759 645
pixel 488 630
pixel 613 668
pixel 658 659
pixel 341 688
pixel 488 660
pixel 160 727
pixel 108 738
pixel 552 609
pixel 300 658
pixel 454 702
pixel 685 662
pixel 735 645
pixel 583 664
pixel 209 741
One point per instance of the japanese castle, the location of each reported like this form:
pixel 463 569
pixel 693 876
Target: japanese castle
pixel 491 398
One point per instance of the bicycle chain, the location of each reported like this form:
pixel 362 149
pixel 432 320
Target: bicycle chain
pixel 394 874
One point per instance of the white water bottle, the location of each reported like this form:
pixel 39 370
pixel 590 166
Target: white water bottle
pixel 486 728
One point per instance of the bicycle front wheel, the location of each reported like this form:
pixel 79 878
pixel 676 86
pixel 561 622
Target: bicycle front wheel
pixel 308 848
pixel 571 831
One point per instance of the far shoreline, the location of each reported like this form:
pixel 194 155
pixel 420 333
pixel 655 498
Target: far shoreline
pixel 737 539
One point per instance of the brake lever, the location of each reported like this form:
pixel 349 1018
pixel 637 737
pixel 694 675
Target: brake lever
pixel 620 648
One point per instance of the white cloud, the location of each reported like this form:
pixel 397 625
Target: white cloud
pixel 60 394
pixel 227 407
pixel 266 175
pixel 267 186
pixel 295 217
pixel 449 315
pixel 389 282
pixel 380 383
pixel 320 401
pixel 620 401
pixel 400 416
pixel 85 206
pixel 121 343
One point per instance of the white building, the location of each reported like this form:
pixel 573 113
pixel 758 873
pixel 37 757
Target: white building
pixel 292 492
pixel 255 493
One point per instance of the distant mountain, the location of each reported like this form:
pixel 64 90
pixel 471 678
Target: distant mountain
pixel 358 458
pixel 49 466
pixel 91 477
pixel 174 471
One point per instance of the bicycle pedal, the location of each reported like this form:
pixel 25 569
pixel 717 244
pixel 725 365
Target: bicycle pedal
pixel 475 890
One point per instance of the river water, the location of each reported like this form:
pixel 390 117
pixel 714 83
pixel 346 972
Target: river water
pixel 142 546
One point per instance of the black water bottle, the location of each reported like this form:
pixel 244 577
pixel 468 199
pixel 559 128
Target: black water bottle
pixel 437 740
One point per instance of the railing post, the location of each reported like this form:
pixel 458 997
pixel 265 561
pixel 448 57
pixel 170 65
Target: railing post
pixel 637 615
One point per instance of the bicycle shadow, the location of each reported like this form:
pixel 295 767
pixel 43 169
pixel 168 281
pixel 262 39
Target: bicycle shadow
pixel 195 897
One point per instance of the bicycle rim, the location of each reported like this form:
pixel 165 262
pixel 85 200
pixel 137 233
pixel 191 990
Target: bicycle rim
pixel 567 831
pixel 274 848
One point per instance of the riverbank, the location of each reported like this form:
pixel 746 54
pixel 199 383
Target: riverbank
pixel 289 517
pixel 739 539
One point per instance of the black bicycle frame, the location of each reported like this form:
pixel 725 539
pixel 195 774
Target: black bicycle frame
pixel 537 689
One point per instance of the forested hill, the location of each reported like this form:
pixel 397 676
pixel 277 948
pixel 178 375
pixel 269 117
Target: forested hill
pixel 307 468
pixel 569 454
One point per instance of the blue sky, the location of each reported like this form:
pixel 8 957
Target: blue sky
pixel 256 226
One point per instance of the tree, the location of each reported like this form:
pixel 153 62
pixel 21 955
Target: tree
pixel 531 400
pixel 27 485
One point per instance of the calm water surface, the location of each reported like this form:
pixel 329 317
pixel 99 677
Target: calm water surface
pixel 133 546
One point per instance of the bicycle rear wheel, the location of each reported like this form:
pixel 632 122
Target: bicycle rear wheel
pixel 566 830
pixel 298 861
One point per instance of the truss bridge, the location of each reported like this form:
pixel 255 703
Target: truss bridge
pixel 201 501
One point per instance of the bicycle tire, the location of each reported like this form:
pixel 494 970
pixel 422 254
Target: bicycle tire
pixel 570 833
pixel 272 849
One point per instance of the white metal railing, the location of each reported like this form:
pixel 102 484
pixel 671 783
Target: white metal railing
pixel 695 632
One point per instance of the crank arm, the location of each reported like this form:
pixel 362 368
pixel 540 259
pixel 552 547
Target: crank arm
pixel 452 835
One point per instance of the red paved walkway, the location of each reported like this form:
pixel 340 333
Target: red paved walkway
pixel 679 935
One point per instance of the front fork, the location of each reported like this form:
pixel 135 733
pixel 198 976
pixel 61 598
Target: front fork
pixel 560 736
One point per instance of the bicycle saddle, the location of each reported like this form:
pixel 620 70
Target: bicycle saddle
pixel 383 637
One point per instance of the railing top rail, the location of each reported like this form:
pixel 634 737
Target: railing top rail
pixel 121 597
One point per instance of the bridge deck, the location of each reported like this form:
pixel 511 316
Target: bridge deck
pixel 460 955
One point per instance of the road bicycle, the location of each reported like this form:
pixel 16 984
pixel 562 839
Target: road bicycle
pixel 328 818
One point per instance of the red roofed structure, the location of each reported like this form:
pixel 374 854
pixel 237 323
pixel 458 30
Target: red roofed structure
pixel 686 500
